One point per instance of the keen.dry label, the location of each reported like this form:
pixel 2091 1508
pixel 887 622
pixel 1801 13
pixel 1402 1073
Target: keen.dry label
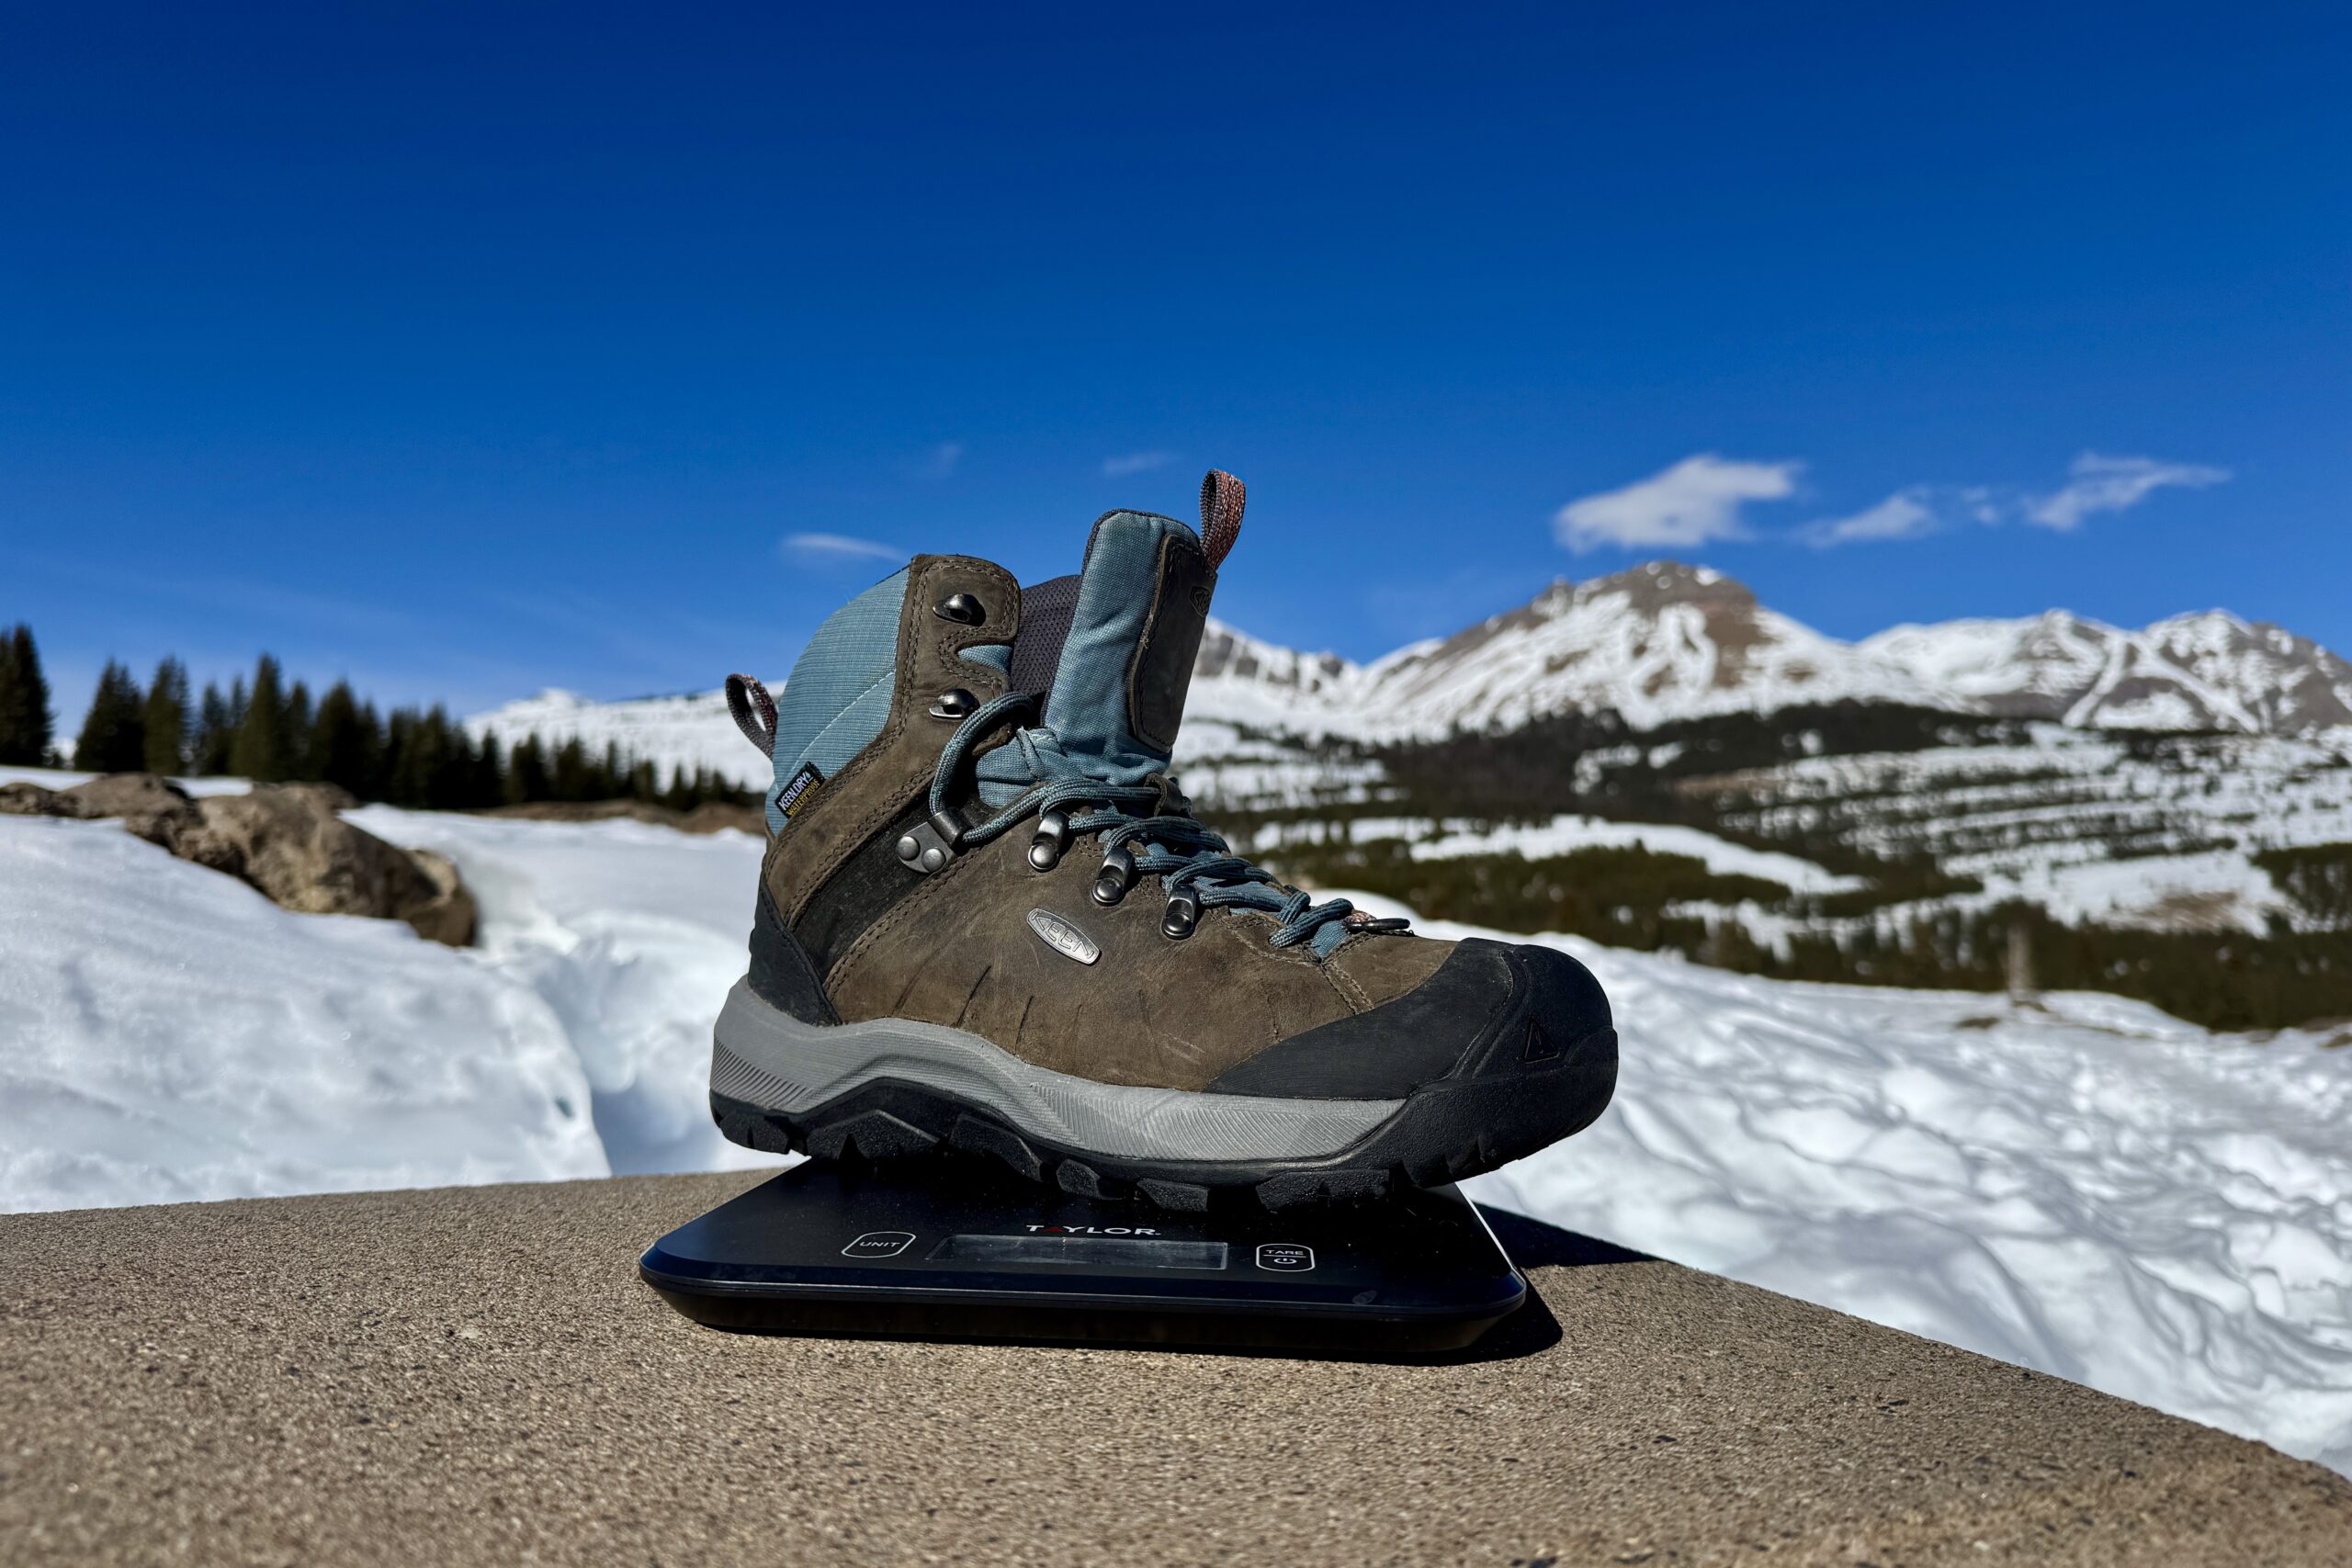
pixel 796 794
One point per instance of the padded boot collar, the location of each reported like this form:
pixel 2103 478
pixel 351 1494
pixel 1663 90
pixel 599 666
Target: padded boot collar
pixel 935 645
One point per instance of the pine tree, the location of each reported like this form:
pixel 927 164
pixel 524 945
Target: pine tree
pixel 114 734
pixel 378 754
pixel 569 778
pixel 423 758
pixel 209 751
pixel 489 775
pixel 341 746
pixel 259 753
pixel 448 775
pixel 24 731
pixel 527 772
pixel 294 734
pixel 166 718
pixel 400 758
pixel 10 699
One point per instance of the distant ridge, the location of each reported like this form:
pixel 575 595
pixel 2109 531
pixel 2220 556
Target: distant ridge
pixel 1660 642
pixel 1666 641
pixel 2208 670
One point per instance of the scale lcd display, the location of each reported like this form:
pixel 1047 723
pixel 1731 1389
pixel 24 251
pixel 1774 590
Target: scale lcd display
pixel 1121 1251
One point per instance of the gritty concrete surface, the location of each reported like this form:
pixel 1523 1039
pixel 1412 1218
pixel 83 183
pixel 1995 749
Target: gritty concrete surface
pixel 475 1375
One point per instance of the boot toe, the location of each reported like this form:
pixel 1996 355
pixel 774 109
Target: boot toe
pixel 1492 1010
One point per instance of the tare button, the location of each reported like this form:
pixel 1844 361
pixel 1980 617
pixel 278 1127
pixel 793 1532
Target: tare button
pixel 1286 1256
pixel 879 1244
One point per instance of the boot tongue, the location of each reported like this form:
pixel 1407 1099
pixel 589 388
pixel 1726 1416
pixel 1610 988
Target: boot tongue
pixel 1143 602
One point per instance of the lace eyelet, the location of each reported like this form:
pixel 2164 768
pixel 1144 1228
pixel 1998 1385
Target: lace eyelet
pixel 1118 875
pixel 955 703
pixel 961 608
pixel 1182 915
pixel 1052 838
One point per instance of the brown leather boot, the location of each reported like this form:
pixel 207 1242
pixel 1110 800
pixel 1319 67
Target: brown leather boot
pixel 989 918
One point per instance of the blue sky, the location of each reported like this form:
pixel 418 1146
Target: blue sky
pixel 472 351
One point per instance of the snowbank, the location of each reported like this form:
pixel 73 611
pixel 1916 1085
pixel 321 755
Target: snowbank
pixel 631 934
pixel 166 1033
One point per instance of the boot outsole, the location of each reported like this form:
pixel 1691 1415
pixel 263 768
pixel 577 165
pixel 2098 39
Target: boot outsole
pixel 1443 1132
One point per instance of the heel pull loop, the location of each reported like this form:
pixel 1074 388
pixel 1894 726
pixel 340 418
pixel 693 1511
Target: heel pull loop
pixel 1221 498
pixel 754 711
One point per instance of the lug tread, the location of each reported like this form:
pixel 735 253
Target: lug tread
pixel 870 1134
pixel 1078 1177
pixel 1178 1197
pixel 978 1135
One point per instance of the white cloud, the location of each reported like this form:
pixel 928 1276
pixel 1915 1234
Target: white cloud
pixel 839 547
pixel 1906 514
pixel 2094 484
pixel 940 461
pixel 2097 484
pixel 1696 500
pixel 1128 462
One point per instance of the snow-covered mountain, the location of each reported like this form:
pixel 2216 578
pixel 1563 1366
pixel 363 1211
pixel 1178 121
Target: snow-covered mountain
pixel 1661 642
pixel 1666 641
pixel 689 732
pixel 2209 671
pixel 1241 680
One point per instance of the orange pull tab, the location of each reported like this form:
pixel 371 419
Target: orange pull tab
pixel 1221 498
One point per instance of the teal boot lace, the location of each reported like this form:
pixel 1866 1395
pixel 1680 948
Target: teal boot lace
pixel 1146 830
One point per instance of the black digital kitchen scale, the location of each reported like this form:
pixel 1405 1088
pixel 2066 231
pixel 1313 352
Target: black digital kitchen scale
pixel 948 1247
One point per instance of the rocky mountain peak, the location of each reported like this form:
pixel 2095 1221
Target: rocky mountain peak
pixel 1654 585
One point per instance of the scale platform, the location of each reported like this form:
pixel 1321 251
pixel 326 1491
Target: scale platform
pixel 950 1248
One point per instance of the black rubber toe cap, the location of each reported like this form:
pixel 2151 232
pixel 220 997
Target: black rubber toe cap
pixel 1493 1009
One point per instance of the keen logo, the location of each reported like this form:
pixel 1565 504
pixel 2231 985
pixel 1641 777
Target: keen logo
pixel 1063 937
pixel 794 796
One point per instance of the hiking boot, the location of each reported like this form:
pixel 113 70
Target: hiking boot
pixel 987 918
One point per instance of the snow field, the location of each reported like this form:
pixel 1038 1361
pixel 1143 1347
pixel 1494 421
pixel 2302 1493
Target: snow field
pixel 1453 838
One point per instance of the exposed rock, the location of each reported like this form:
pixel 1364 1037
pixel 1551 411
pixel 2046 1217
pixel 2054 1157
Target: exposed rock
pixel 152 807
pixel 286 841
pixel 121 795
pixel 1228 654
pixel 333 796
pixel 31 800
pixel 451 916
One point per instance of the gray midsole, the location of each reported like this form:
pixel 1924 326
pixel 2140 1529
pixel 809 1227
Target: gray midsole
pixel 765 1056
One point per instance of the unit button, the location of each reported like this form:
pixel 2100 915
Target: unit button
pixel 1286 1256
pixel 879 1244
